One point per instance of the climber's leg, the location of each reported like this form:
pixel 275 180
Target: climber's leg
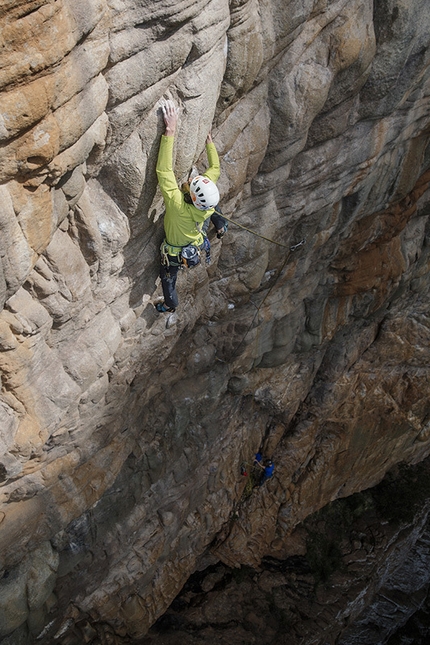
pixel 168 275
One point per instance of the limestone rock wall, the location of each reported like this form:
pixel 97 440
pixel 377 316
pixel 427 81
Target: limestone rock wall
pixel 123 432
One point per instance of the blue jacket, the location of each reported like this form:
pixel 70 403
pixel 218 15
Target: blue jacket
pixel 268 471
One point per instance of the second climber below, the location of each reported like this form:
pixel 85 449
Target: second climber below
pixel 185 214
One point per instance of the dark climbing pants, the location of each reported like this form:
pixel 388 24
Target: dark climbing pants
pixel 168 275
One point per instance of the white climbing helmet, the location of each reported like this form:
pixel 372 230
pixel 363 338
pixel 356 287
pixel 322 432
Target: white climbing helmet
pixel 204 193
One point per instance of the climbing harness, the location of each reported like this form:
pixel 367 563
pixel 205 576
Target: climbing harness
pixel 185 256
pixel 168 251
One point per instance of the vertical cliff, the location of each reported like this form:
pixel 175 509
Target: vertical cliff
pixel 359 574
pixel 123 432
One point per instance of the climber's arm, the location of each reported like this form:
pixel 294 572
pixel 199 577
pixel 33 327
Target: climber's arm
pixel 164 169
pixel 214 170
pixel 166 178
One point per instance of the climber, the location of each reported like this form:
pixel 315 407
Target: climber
pixel 268 471
pixel 257 459
pixel 184 215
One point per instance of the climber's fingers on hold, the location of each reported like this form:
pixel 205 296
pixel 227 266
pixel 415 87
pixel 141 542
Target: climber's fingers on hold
pixel 169 109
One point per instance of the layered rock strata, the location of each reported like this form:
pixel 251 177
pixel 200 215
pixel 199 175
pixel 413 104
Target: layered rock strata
pixel 123 432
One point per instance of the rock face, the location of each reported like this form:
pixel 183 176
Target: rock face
pixel 123 432
pixel 365 572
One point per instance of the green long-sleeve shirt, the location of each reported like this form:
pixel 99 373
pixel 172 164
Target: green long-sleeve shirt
pixel 181 219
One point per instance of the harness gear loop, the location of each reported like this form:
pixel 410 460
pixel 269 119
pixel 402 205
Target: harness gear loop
pixel 164 255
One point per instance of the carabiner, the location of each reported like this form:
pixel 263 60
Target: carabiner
pixel 296 246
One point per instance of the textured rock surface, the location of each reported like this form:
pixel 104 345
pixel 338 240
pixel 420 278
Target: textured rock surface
pixel 365 572
pixel 123 433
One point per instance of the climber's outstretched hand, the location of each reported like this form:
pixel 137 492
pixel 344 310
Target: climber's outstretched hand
pixel 170 116
pixel 209 138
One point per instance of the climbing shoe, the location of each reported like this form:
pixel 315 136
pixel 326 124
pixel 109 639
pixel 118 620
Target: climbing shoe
pixel 162 308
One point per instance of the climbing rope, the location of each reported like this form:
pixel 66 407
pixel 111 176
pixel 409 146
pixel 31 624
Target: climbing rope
pixel 291 249
pixel 263 237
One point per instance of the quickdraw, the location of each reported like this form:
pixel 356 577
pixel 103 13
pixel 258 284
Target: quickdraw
pixel 298 245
